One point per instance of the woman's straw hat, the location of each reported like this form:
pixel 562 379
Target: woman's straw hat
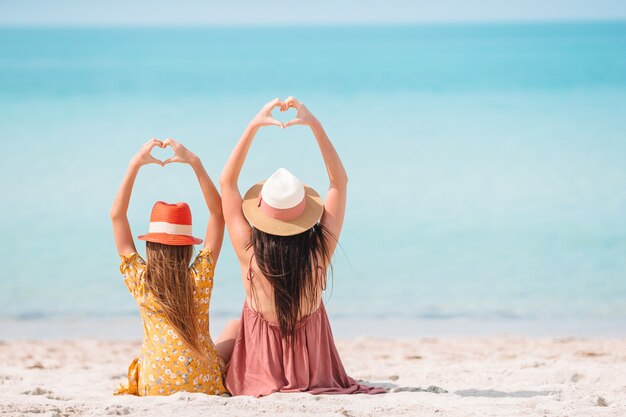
pixel 282 205
pixel 170 224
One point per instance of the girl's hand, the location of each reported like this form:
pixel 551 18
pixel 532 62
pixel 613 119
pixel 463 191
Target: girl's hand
pixel 303 115
pixel 265 118
pixel 181 154
pixel 144 157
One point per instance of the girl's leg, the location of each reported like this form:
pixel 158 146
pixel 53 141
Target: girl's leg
pixel 226 342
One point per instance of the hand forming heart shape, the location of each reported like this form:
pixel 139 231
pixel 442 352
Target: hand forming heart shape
pixel 161 153
pixel 303 115
pixel 284 116
pixel 181 154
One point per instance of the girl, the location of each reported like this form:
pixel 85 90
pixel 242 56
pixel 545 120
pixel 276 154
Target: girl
pixel 173 298
pixel 284 237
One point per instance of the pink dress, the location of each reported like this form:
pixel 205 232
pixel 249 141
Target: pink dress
pixel 263 362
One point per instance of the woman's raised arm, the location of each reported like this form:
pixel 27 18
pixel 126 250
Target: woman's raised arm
pixel 121 228
pixel 335 202
pixel 215 228
pixel 236 223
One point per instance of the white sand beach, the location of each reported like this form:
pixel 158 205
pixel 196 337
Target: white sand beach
pixel 478 376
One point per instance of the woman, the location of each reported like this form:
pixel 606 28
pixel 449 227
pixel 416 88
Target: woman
pixel 284 238
pixel 173 297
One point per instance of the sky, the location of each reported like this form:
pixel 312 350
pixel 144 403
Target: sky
pixel 280 12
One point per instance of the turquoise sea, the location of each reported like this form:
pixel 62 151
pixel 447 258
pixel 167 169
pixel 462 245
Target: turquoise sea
pixel 487 163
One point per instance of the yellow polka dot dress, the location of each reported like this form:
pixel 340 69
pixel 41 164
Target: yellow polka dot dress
pixel 165 365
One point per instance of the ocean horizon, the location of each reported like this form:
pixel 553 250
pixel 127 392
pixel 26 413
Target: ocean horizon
pixel 487 164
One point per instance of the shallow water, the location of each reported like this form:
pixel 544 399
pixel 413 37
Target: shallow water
pixel 487 163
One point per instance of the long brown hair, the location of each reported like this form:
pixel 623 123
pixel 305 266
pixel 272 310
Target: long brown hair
pixel 169 279
pixel 296 267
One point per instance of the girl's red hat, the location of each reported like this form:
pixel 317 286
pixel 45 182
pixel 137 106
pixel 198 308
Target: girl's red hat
pixel 170 224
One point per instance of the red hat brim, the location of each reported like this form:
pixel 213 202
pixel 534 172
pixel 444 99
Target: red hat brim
pixel 167 239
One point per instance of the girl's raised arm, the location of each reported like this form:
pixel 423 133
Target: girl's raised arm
pixel 121 229
pixel 215 228
pixel 335 202
pixel 238 227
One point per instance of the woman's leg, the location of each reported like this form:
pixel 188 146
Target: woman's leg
pixel 226 342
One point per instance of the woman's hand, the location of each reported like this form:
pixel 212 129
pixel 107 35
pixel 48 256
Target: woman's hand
pixel 264 117
pixel 181 154
pixel 144 157
pixel 303 115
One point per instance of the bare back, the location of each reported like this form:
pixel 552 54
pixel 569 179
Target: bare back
pixel 260 293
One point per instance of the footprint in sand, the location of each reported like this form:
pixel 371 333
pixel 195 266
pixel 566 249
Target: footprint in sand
pixel 37 391
pixel 48 394
pixel 117 410
pixel 52 396
pixel 72 411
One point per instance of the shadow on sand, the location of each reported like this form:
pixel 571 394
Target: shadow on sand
pixel 500 394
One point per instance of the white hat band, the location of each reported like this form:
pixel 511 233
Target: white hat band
pixel 170 228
